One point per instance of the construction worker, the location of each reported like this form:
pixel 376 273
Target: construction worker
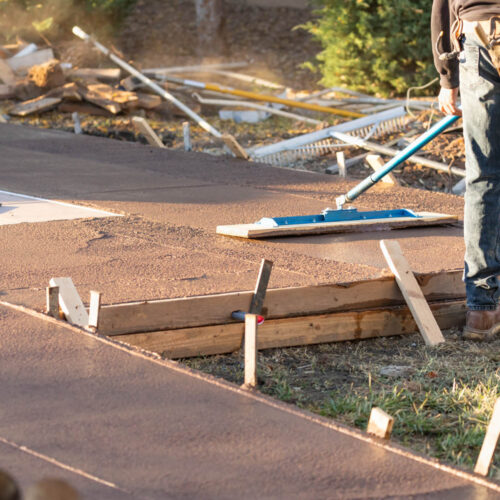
pixel 460 30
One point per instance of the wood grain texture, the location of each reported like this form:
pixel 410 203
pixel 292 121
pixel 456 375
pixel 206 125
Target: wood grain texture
pixel 490 442
pixel 380 423
pixel 412 292
pixel 254 231
pixel 70 302
pixel 170 314
pixel 355 325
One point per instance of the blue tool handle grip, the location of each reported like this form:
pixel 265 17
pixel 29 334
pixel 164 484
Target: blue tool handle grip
pixel 411 149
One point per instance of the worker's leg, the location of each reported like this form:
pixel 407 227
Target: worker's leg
pixel 480 95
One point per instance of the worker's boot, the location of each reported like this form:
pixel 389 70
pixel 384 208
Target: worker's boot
pixel 482 325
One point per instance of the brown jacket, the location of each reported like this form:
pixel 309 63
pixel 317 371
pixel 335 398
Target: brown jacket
pixel 444 13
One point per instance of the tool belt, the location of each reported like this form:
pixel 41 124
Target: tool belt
pixel 489 34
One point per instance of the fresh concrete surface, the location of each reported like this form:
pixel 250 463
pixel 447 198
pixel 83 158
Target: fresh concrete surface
pixel 153 430
pixel 165 245
pixel 16 208
pixel 95 412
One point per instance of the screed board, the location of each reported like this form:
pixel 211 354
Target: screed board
pixel 253 231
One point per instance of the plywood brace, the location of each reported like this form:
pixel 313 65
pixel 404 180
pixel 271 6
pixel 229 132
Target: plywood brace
pixel 296 302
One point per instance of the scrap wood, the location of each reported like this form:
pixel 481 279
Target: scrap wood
pixel 47 75
pixel 152 85
pixel 37 105
pixel 22 64
pixel 83 108
pixel 68 92
pixel 144 101
pixel 105 74
pixel 99 100
pixel 6 92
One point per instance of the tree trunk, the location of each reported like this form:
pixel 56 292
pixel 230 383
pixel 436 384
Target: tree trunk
pixel 209 22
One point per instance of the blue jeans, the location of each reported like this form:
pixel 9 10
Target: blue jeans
pixel 480 96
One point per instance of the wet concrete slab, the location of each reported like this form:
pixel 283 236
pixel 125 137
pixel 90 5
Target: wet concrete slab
pixel 114 422
pixel 165 245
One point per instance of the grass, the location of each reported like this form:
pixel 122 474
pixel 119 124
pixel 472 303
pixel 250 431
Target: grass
pixel 441 399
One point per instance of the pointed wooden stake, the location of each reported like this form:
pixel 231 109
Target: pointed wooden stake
pixel 376 162
pixel 52 296
pixel 250 351
pixel 144 128
pixel 95 306
pixel 490 442
pixel 412 292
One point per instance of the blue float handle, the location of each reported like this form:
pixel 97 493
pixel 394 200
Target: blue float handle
pixel 425 138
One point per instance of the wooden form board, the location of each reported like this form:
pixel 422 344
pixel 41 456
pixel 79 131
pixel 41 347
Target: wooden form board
pixel 412 292
pixel 258 231
pixel 170 314
pixel 287 332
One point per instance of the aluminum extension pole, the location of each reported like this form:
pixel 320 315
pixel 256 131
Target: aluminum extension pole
pixel 424 139
pixel 152 85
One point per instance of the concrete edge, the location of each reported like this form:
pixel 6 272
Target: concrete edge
pixel 262 398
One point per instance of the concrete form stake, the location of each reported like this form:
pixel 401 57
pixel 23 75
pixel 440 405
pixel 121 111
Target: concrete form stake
pixel 250 350
pixel 341 163
pixel 380 423
pixel 53 301
pixel 490 442
pixel 187 136
pixel 76 123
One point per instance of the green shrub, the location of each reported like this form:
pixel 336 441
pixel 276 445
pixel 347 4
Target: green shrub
pixel 376 46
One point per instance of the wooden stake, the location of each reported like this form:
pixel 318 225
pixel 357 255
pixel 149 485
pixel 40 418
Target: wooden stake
pixel 412 292
pixel 261 287
pixel 70 302
pixel 95 306
pixel 250 350
pixel 187 136
pixel 77 126
pixel 342 165
pixel 376 162
pixel 145 129
pixel 234 146
pixel 380 423
pixel 490 442
pixel 52 296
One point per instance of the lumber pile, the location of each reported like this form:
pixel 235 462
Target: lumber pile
pixel 39 82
